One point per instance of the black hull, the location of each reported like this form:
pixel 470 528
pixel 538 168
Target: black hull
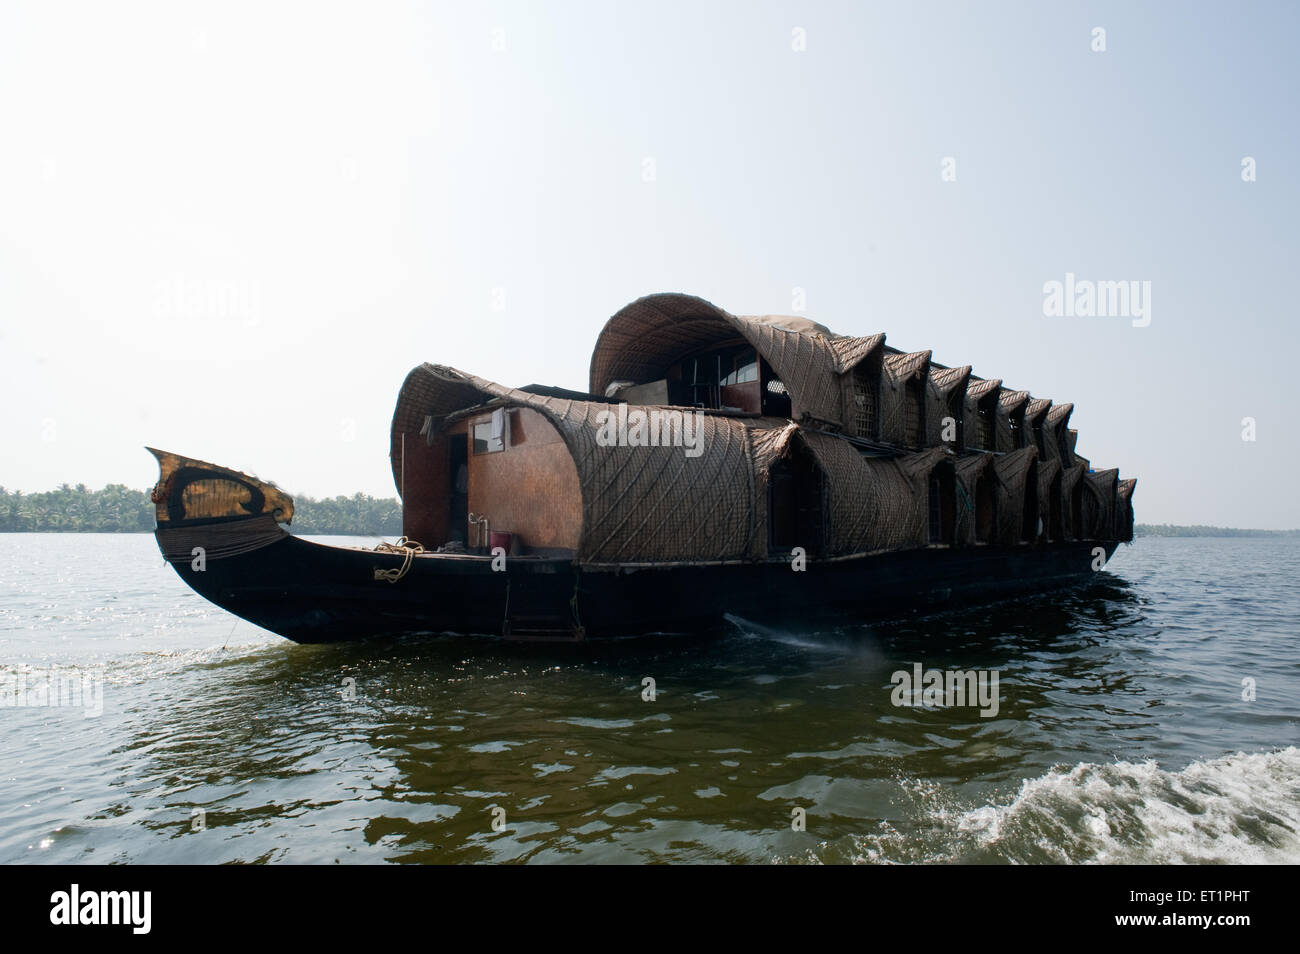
pixel 312 593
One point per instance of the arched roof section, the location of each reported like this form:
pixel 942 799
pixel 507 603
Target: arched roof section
pixel 978 389
pixel 1035 411
pixel 638 503
pixel 1102 486
pixel 851 351
pixel 643 339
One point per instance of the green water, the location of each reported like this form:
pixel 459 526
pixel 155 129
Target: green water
pixel 1121 732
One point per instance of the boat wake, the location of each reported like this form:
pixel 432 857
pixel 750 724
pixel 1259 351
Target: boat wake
pixel 818 641
pixel 1238 809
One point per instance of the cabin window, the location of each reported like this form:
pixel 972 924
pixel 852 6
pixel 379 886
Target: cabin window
pixel 720 379
pixel 738 388
pixel 955 411
pixel 731 378
pixel 865 378
pixel 914 413
pixel 987 425
pixel 490 435
pixel 745 370
pixel 776 396
pixel 1016 423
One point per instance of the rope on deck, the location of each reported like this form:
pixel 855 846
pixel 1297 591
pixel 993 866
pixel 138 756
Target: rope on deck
pixel 408 548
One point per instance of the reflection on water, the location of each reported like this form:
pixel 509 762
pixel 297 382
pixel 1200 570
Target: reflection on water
pixel 1116 738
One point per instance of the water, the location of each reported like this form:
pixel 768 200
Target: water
pixel 1122 734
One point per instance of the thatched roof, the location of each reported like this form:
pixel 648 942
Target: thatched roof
pixel 1124 489
pixel 946 392
pixel 946 380
pixel 1048 471
pixel 1012 401
pixel 1036 409
pixel 969 469
pixel 655 504
pixel 639 503
pixel 869 498
pixel 1099 504
pixel 1058 419
pixel 972 466
pixel 877 503
pixel 1011 405
pixel 1124 509
pixel 1071 475
pixel 979 388
pixel 1059 415
pixel 874 503
pixel 904 367
pixel 897 371
pixel 852 350
pixel 1070 439
pixel 642 340
pixel 1014 471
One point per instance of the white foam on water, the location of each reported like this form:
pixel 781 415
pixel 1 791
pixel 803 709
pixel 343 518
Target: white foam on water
pixel 1237 809
pixel 749 628
pixel 817 641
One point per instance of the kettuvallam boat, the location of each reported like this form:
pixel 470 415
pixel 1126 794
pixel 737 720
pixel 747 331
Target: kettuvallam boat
pixel 758 466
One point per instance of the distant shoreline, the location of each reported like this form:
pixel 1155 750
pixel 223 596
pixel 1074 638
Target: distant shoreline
pixel 119 509
pixel 1174 530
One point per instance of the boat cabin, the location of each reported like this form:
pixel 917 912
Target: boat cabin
pixel 708 437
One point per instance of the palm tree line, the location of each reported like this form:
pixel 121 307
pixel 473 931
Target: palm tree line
pixel 118 508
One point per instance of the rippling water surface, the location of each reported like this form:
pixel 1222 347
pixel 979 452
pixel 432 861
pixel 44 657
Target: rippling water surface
pixel 1122 734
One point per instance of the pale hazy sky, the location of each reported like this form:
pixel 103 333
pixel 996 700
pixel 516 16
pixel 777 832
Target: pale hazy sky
pixel 229 230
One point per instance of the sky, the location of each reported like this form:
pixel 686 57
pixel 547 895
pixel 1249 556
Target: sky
pixel 229 230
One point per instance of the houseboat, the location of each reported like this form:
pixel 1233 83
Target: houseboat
pixel 716 464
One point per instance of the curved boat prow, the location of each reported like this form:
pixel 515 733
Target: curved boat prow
pixel 221 532
pixel 212 510
pixel 192 491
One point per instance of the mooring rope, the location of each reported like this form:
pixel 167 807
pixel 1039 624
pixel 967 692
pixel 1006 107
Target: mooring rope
pixel 409 548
